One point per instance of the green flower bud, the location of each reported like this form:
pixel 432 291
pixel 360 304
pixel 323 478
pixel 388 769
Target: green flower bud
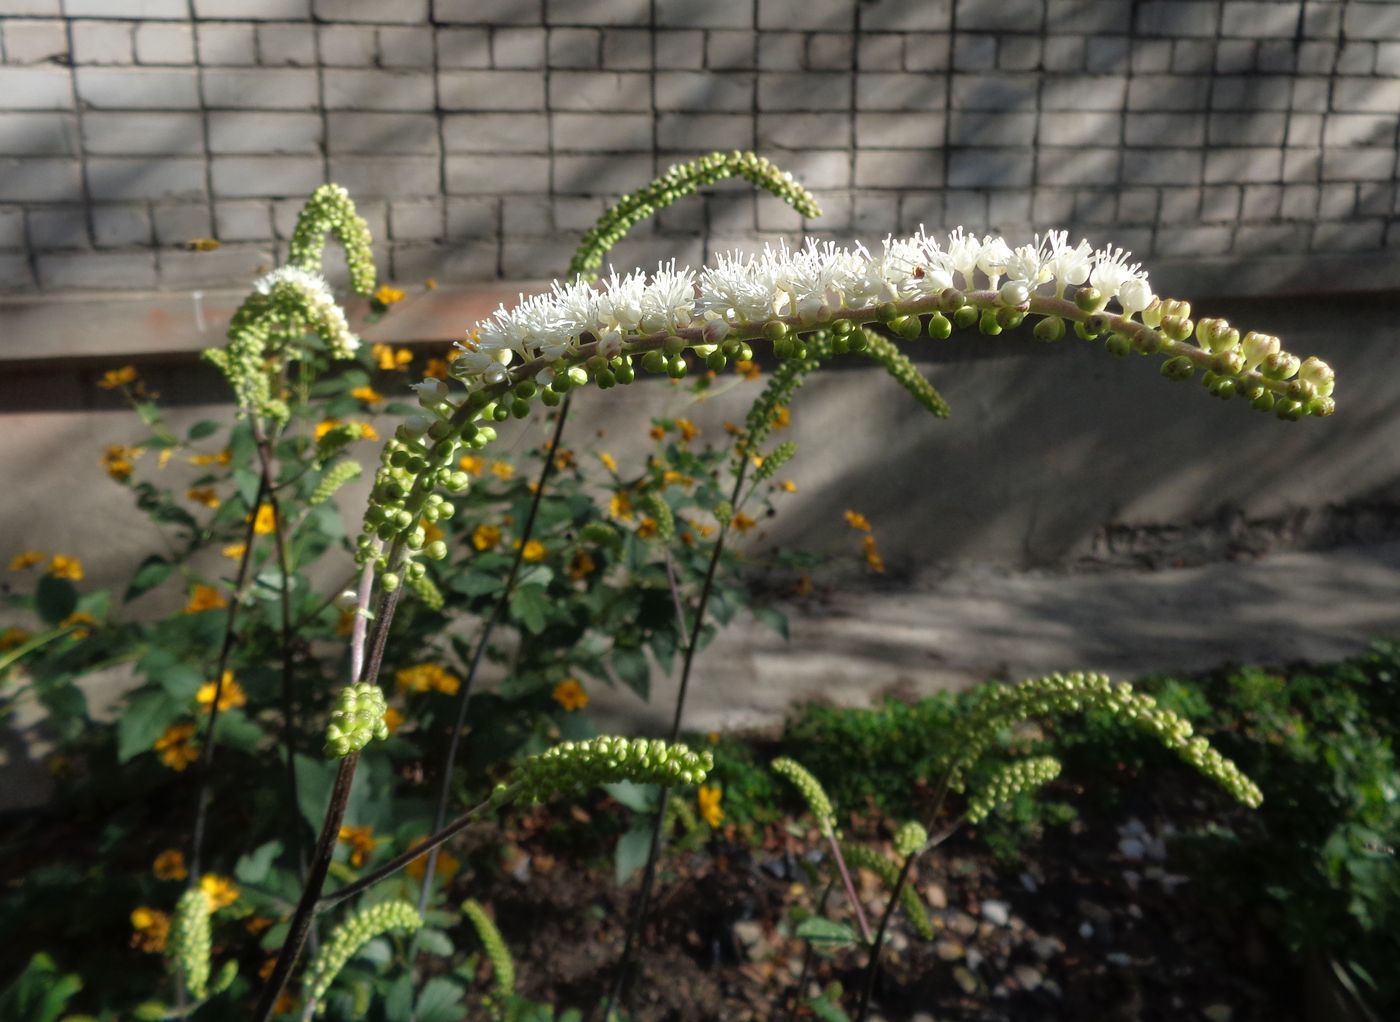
pixel 810 789
pixel 909 838
pixel 347 939
pixel 502 965
pixel 190 941
pixel 358 717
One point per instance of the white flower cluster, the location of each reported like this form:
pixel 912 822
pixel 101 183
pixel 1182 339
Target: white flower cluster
pixel 301 294
pixel 811 283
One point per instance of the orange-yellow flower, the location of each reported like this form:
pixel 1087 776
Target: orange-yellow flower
pixel 175 747
pixel 688 429
pixel 646 529
pixel 235 551
pixel 151 929
pixel 657 433
pixel 325 426
pixel 118 460
pixel 743 523
pixel 393 719
pixel 205 495
pixel 570 695
pixel 431 532
pixel 709 797
pixel 788 486
pixel 388 359
pixel 114 378
pixel 170 865
pixel 231 694
pixel 77 618
pixel 12 637
pixel 609 462
pixel 732 429
pixel 367 432
pixel 368 395
pixel 857 521
pixel 472 464
pixel 581 565
pixel 427 678
pixel 534 552
pixel 387 295
pixel 485 536
pixel 620 507
pixel 502 469
pixel 436 368
pixel 747 369
pixel 204 598
pixel 27 559
pixel 873 559
pixel 265 521
pixel 447 864
pixel 63 566
pixel 222 458
pixel 219 890
pixel 362 843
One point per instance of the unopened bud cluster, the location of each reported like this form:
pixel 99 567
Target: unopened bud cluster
pixel 353 934
pixel 811 791
pixel 191 941
pixel 863 857
pixel 654 505
pixel 571 766
pixel 356 720
pixel 1010 781
pixel 336 476
pixel 331 211
pixel 909 838
pixel 679 181
pixel 502 965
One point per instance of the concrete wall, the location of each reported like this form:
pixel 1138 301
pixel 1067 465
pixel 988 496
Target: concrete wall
pixel 480 136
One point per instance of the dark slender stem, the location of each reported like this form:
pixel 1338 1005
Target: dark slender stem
pixel 206 754
pixel 634 925
pixel 455 740
pixel 398 862
pixel 808 954
pixel 873 969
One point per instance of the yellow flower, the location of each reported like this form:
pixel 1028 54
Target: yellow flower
pixel 872 555
pixel 79 617
pixel 688 430
pixel 362 843
pixel 620 507
pixel 27 559
pixel 230 695
pixel 430 283
pixel 393 719
pixel 175 748
pixel 757 460
pixel 258 924
pixel 747 369
pixel 709 797
pixel 732 429
pixel 345 623
pixel 265 521
pixel 204 598
pixel 436 368
pixel 388 359
pixel 235 551
pixel 204 495
pixel 220 890
pixel 387 295
pixel 427 678
pixel 13 637
pixel 118 459
pixel 431 533
pixel 325 426
pixel 63 566
pixel 484 536
pixel 788 486
pixel 368 395
pixel 222 458
pixel 164 457
pixel 170 865
pixel 581 565
pixel 367 432
pixel 857 521
pixel 534 552
pixel 151 929
pixel 570 695
pixel 609 462
pixel 502 469
pixel 447 864
pixel 782 416
pixel 472 464
pixel 657 433
pixel 743 522
pixel 114 378
pixel 647 528
pixel 672 477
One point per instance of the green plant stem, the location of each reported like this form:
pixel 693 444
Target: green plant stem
pixel 445 784
pixel 808 954
pixel 330 831
pixel 873 969
pixel 634 925
pixel 850 887
pixel 206 754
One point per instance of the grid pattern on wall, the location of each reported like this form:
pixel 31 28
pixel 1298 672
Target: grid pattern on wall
pixel 480 137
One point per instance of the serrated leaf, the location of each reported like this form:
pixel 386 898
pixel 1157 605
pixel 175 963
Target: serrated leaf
pixel 530 606
pixel 398 1002
pixel 377 951
pixel 827 932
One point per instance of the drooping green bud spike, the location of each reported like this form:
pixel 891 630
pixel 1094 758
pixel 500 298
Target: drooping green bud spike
pixel 782 385
pixel 678 810
pixel 724 512
pixel 331 211
pixel 909 838
pixel 356 720
pixel 353 934
pixel 228 972
pixel 881 349
pixel 682 180
pixel 775 460
pixel 811 790
pixel 1010 781
pixel 861 856
pixel 423 587
pixel 655 505
pixel 336 476
pixel 502 965
pixel 573 766
pixel 602 534
pixel 191 942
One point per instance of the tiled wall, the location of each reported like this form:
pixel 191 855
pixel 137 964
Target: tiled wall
pixel 480 137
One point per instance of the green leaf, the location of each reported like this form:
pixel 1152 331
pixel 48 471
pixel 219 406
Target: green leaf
pixel 55 598
pixel 632 668
pixel 398 1002
pixel 238 731
pixel 826 1009
pixel 632 850
pixel 530 606
pixel 641 798
pixel 202 429
pixel 434 942
pixel 774 619
pixel 827 932
pixel 39 993
pixel 253 867
pixel 153 571
pixel 439 1001
pixel 314 780
pixel 145 719
pixel 475 583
